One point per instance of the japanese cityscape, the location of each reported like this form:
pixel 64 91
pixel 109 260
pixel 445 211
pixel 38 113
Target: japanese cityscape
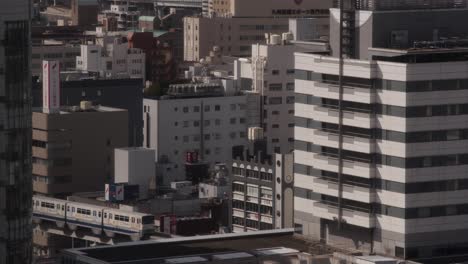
pixel 234 131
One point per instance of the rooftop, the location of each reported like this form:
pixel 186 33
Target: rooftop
pixel 262 243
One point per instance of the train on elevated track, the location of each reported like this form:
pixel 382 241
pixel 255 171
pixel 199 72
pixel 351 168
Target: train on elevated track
pixel 99 219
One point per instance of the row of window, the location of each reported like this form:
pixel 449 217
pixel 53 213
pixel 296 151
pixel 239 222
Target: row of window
pixel 391 110
pixel 382 134
pixel 380 184
pixel 264 176
pixel 208 108
pixel 401 86
pixel 375 158
pixel 275 87
pixel 381 209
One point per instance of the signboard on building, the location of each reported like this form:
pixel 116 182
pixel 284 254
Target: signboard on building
pixel 51 86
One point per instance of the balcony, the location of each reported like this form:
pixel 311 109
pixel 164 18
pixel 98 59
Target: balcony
pixel 238 212
pixel 356 168
pixel 350 192
pixel 330 138
pixel 350 118
pixel 350 216
pixel 237 196
pixel 350 93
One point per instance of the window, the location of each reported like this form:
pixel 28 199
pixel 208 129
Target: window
pixel 186 139
pixel 242 120
pixel 275 72
pixel 186 123
pixel 242 134
pixel 275 100
pixel 217 108
pixel 196 123
pixel 290 100
pixel 207 137
pixel 185 109
pixel 206 123
pixel 233 107
pixel 232 121
pixel 290 86
pixel 196 109
pixel 207 108
pixel 275 126
pixel 275 86
pixel 217 122
pixel 290 71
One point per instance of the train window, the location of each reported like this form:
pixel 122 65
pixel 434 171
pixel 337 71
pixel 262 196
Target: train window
pixel 105 215
pixel 63 207
pixel 94 213
pixel 99 214
pixel 110 216
pixel 68 208
pixel 138 221
pixel 133 219
pixel 73 209
pixel 58 206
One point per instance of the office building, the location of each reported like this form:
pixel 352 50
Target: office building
pixel 116 93
pixel 124 12
pixel 73 149
pixel 159 56
pixel 392 178
pixel 65 53
pixel 84 13
pixel 110 58
pixel 15 132
pixel 198 118
pixel 262 187
pixel 247 23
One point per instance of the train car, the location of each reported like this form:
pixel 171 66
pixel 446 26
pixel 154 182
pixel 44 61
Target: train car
pixel 134 224
pixel 86 215
pixel 96 218
pixel 49 208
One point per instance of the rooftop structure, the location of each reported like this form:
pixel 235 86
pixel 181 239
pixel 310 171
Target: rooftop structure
pixel 263 247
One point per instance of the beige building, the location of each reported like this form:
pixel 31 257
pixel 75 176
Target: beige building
pixel 219 7
pixel 245 24
pixel 73 150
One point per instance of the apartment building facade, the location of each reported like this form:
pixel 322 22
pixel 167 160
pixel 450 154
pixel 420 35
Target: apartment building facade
pixel 73 151
pixel 390 179
pixel 209 123
pixel 262 189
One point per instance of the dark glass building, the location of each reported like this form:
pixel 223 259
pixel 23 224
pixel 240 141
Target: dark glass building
pixel 15 132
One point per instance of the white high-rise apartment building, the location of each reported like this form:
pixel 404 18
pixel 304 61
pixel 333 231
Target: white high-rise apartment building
pixel 393 178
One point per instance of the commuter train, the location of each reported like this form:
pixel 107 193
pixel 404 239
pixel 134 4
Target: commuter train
pixel 98 218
